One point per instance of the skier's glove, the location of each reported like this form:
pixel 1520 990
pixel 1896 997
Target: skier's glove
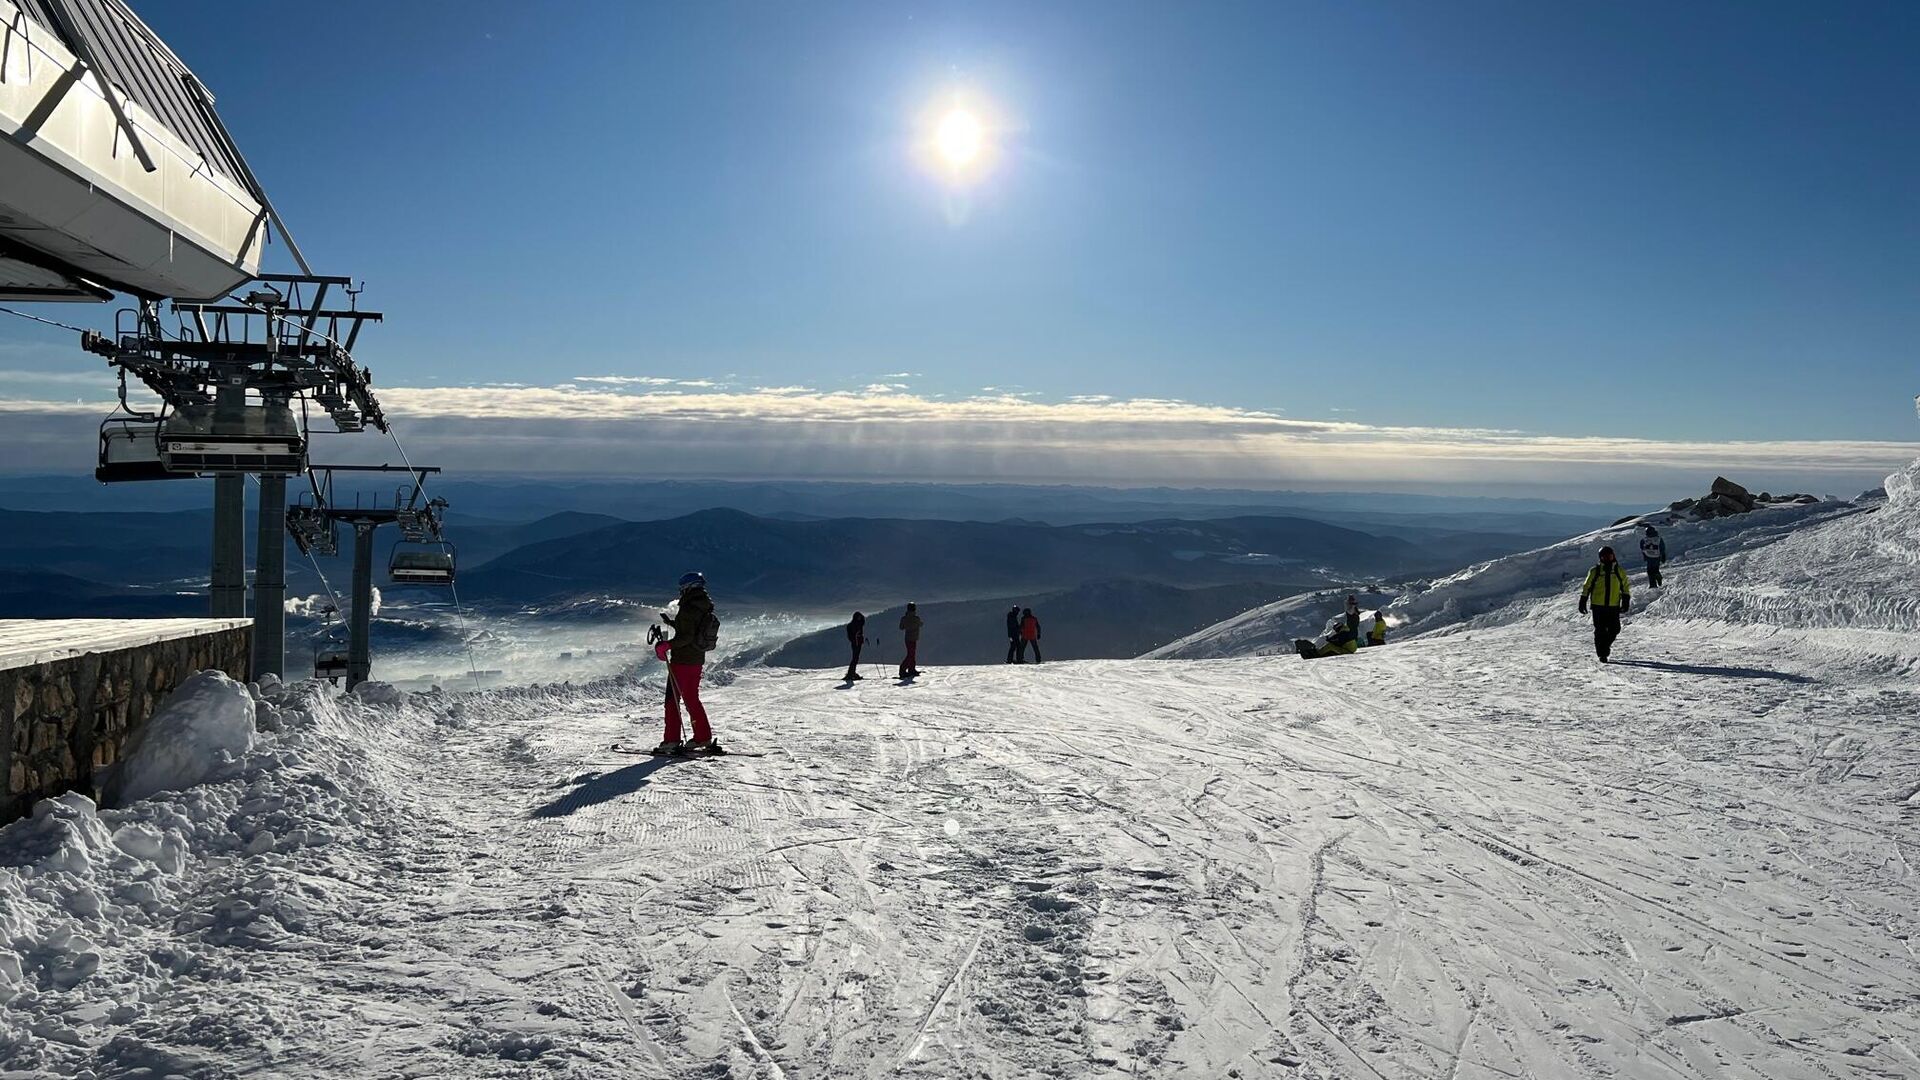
pixel 1583 605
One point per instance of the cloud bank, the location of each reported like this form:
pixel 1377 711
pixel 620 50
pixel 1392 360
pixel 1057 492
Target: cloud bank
pixel 657 426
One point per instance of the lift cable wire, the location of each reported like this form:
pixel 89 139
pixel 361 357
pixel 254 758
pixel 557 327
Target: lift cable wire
pixel 49 322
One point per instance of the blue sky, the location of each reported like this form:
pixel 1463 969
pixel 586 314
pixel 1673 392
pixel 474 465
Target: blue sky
pixel 1667 223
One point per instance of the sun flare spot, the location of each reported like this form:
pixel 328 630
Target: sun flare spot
pixel 960 138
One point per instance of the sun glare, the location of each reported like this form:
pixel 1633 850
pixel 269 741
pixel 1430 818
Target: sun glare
pixel 960 138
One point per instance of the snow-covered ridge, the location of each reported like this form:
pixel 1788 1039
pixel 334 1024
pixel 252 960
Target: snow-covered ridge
pixel 1713 564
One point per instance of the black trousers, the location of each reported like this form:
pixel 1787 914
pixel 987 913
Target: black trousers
pixel 1606 627
pixel 1013 650
pixel 1035 646
pixel 1653 572
pixel 1019 650
pixel 853 665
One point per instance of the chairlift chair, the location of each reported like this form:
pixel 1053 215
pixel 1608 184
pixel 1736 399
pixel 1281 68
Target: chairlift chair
pixel 314 532
pixel 206 439
pixel 412 563
pixel 130 450
pixel 330 665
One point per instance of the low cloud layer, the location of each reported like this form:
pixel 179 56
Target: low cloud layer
pixel 658 426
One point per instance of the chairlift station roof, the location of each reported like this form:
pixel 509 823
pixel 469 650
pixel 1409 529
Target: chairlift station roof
pixel 81 212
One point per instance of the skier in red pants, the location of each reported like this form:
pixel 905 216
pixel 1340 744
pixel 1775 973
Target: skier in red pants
pixel 695 630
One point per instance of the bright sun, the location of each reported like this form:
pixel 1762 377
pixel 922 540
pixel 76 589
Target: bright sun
pixel 960 138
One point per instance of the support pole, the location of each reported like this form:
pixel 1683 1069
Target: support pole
pixel 270 580
pixel 359 654
pixel 230 547
pixel 229 526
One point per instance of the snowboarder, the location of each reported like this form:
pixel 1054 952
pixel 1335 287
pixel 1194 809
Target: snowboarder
pixel 1654 550
pixel 1608 594
pixel 1030 632
pixel 856 637
pixel 910 625
pixel 1377 633
pixel 1016 650
pixel 696 631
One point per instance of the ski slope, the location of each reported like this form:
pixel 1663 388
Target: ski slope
pixel 1474 854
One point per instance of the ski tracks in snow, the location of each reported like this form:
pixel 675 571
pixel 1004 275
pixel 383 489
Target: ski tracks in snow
pixel 1467 857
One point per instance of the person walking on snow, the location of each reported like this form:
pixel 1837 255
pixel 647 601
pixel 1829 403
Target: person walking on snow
pixel 910 625
pixel 695 630
pixel 1607 593
pixel 1654 549
pixel 1016 650
pixel 856 637
pixel 1030 632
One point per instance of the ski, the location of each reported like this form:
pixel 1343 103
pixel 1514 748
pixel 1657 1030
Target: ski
pixel 648 751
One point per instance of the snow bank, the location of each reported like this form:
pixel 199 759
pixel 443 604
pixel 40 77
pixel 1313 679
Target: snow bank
pixel 254 818
pixel 203 729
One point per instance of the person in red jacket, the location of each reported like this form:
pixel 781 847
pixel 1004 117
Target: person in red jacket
pixel 1030 633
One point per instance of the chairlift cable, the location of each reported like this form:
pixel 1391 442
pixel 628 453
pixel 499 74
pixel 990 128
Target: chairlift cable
pixel 49 322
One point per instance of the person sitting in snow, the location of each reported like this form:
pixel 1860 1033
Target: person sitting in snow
pixel 1654 550
pixel 1377 633
pixel 1606 591
pixel 1341 638
pixel 695 629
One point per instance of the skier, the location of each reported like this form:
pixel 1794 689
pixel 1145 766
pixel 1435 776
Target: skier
pixel 1607 592
pixel 1016 649
pixel 910 624
pixel 856 637
pixel 695 631
pixel 1654 550
pixel 1377 633
pixel 1030 632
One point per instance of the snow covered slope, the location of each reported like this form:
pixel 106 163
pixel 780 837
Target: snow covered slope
pixel 1474 854
pixel 1506 589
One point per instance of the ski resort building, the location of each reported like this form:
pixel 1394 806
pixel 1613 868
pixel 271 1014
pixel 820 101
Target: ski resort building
pixel 119 175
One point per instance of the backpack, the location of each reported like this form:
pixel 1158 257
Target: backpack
pixel 708 638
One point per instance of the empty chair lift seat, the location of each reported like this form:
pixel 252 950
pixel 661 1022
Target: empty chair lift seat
pixel 420 566
pixel 252 439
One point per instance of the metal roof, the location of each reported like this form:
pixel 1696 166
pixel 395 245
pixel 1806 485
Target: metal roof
pixel 142 66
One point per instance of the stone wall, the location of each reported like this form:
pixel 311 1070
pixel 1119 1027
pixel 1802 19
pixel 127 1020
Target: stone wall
pixel 63 719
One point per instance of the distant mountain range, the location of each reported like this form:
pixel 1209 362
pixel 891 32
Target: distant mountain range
pixel 1098 620
pixel 754 560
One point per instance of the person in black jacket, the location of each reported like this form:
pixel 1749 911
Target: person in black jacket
pixel 856 637
pixel 1016 651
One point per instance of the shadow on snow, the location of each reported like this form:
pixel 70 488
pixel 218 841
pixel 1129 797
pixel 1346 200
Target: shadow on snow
pixel 1722 672
pixel 605 787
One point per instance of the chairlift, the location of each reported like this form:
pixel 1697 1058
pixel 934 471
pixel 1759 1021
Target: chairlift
pixel 330 665
pixel 130 450
pixel 314 531
pixel 413 563
pixel 207 439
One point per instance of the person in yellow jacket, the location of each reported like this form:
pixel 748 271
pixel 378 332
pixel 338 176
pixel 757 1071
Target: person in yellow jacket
pixel 1606 592
pixel 1377 633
